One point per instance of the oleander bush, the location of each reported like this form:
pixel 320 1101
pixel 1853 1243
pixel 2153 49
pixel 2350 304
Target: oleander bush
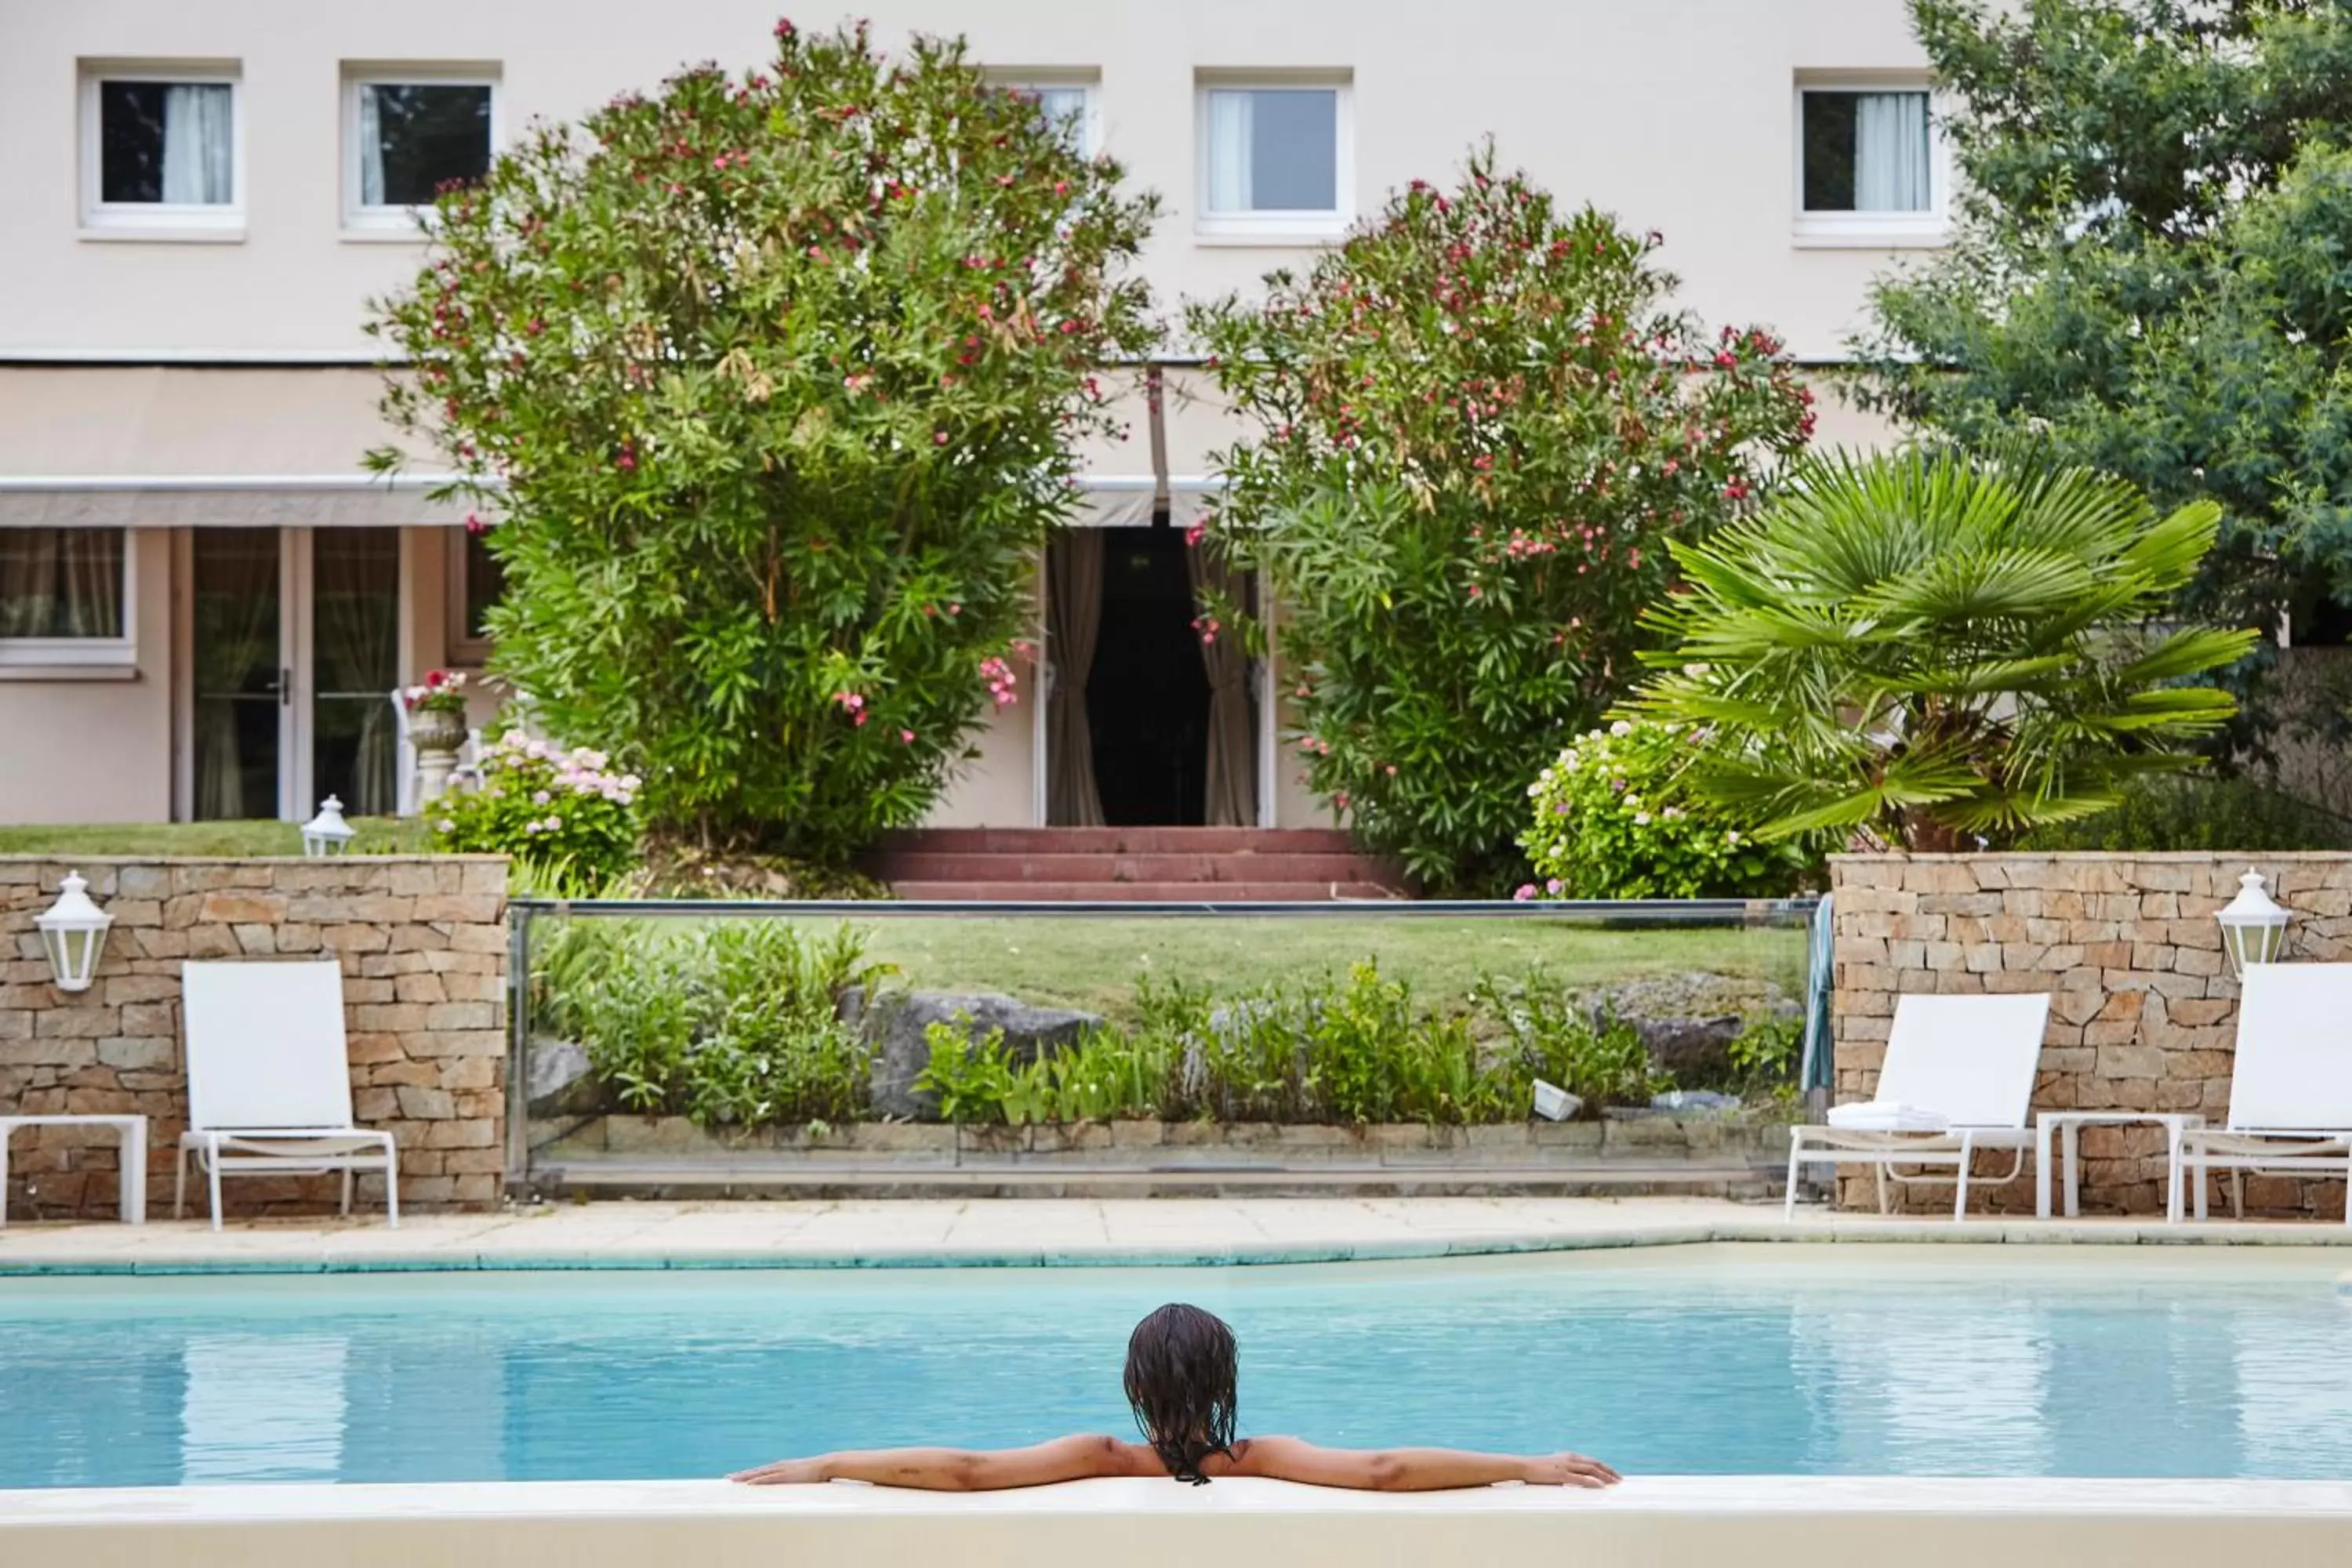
pixel 767 389
pixel 1474 427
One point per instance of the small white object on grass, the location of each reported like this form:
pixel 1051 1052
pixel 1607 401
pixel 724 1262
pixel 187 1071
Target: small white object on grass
pixel 1554 1104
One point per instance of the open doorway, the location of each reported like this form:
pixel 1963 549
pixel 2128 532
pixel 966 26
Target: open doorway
pixel 1148 692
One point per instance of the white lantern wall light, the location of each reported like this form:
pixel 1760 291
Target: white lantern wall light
pixel 73 933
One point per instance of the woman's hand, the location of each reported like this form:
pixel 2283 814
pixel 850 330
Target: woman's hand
pixel 782 1473
pixel 1569 1470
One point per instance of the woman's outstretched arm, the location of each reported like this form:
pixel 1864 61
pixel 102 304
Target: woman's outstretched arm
pixel 962 1470
pixel 1410 1470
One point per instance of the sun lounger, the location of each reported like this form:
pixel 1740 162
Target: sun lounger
pixel 1958 1078
pixel 269 1081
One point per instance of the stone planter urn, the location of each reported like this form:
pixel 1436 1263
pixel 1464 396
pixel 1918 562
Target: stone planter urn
pixel 436 734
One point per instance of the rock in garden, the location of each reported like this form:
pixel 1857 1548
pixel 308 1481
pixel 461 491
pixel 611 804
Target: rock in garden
pixel 896 1025
pixel 559 1081
pixel 1685 1101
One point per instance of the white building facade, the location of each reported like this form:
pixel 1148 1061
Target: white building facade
pixel 204 603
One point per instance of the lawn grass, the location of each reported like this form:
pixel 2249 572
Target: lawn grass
pixel 1094 961
pixel 377 836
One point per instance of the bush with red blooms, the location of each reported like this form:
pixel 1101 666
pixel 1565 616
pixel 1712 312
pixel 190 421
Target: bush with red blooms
pixel 767 388
pixel 1477 424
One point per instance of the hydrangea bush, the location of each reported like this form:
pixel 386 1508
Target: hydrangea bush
pixel 1613 820
pixel 560 813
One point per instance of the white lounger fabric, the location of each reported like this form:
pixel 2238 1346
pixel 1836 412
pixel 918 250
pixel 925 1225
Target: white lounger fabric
pixel 1883 1116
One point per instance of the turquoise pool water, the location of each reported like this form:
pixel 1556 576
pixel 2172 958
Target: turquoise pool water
pixel 1899 1369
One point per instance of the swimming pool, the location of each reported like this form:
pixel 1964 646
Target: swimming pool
pixel 1710 1362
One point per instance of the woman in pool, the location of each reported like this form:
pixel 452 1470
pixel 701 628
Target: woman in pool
pixel 1180 1382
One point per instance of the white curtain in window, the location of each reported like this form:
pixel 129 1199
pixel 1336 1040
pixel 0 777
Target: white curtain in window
pixel 1890 153
pixel 1065 107
pixel 197 143
pixel 370 148
pixel 1230 136
pixel 61 583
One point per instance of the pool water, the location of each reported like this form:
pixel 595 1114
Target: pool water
pixel 1913 1369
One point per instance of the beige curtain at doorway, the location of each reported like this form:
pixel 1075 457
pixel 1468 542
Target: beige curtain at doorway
pixel 1074 564
pixel 1233 772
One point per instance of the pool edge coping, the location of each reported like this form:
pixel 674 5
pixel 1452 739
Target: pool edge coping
pixel 691 1259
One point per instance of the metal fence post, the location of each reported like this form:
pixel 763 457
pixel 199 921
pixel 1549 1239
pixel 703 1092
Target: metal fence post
pixel 518 1047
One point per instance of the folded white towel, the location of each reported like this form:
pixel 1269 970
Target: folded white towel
pixel 1886 1116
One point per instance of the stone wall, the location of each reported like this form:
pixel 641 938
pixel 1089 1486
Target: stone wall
pixel 2143 1011
pixel 422 942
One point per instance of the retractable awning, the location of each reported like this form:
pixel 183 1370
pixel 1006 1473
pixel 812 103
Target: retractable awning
pixel 279 446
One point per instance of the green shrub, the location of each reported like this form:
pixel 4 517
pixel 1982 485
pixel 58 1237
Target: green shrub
pixel 1613 819
pixel 739 1025
pixel 768 389
pixel 1550 1034
pixel 1765 1056
pixel 1103 1076
pixel 559 813
pixel 1477 422
pixel 2195 812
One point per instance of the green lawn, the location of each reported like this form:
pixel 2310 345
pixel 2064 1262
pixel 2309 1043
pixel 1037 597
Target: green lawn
pixel 1093 961
pixel 377 836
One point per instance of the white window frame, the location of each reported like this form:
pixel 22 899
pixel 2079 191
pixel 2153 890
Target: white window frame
pixel 1870 231
pixel 465 651
pixel 398 224
pixel 168 221
pixel 107 655
pixel 1277 227
pixel 1062 80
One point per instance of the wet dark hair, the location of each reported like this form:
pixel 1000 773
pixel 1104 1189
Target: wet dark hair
pixel 1181 1369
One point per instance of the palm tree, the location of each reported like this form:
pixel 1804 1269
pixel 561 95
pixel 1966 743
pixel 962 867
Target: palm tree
pixel 1920 650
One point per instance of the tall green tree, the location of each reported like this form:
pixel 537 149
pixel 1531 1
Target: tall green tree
pixel 2152 266
pixel 766 388
pixel 1922 650
pixel 1476 423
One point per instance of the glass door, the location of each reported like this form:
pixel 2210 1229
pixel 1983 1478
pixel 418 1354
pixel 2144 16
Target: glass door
pixel 354 663
pixel 240 677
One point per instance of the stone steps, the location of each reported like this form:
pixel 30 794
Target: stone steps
pixel 1019 891
pixel 1159 865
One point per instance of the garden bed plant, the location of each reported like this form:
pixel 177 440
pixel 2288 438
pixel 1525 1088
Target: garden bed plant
pixel 758 1025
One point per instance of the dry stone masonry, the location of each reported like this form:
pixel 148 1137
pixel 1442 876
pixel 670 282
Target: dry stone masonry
pixel 422 942
pixel 2143 1012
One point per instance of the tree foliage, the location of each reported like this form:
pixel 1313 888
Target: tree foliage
pixel 2152 267
pixel 1476 425
pixel 1921 650
pixel 769 385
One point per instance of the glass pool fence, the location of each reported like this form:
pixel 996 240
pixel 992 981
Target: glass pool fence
pixel 738 1018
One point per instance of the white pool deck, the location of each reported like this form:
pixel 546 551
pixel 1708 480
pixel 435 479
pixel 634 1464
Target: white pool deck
pixel 886 1232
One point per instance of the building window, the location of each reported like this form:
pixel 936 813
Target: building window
pixel 64 596
pixel 1275 159
pixel 477 581
pixel 1069 103
pixel 1868 165
pixel 411 138
pixel 162 151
